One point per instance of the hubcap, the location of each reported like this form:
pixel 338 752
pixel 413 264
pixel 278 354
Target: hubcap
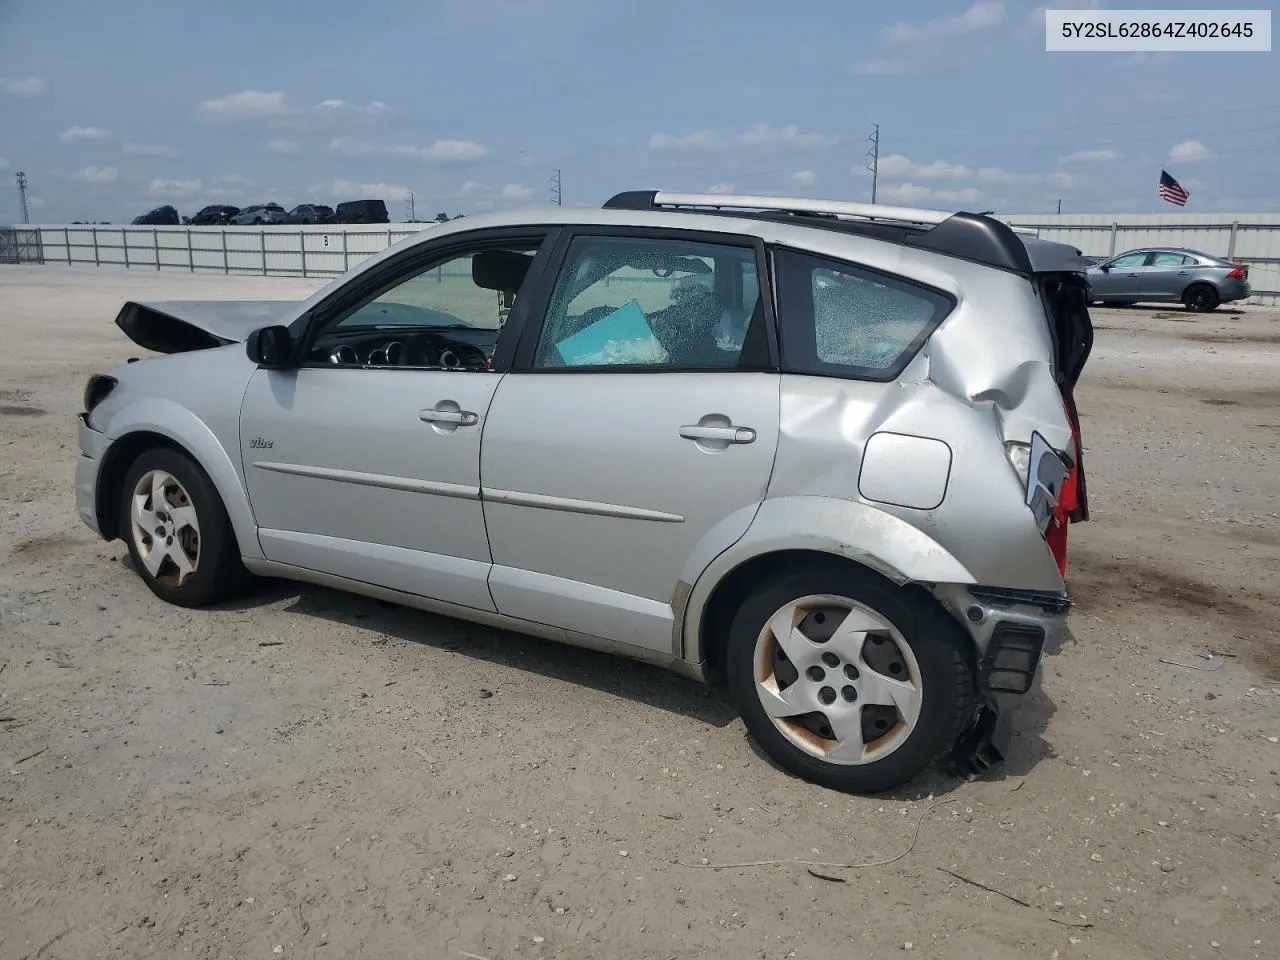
pixel 166 530
pixel 837 679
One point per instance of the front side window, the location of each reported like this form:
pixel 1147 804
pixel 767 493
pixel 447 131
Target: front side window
pixel 628 302
pixel 448 313
pixel 1129 260
pixel 839 319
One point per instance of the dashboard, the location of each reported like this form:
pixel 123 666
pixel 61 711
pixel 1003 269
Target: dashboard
pixel 464 348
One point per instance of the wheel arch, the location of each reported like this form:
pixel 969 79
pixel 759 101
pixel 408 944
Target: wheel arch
pixel 791 530
pixel 159 423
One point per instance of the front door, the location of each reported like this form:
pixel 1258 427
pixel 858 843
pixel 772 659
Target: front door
pixel 364 462
pixel 1123 278
pixel 641 413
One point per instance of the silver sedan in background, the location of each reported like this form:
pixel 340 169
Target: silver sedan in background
pixel 1197 280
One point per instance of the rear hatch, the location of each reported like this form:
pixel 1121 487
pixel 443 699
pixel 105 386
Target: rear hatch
pixel 1064 295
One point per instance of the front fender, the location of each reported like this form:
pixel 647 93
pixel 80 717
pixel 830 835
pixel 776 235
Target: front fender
pixel 184 428
pixel 843 528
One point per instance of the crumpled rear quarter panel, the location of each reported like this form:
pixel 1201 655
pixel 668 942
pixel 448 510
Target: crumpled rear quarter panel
pixel 984 377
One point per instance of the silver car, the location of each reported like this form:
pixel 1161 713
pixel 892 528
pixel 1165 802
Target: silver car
pixel 1199 281
pixel 259 214
pixel 822 453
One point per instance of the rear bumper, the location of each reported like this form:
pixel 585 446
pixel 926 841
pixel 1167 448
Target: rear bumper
pixel 1231 290
pixel 93 446
pixel 1010 630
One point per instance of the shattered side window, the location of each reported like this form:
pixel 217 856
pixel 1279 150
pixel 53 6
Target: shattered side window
pixel 640 302
pixel 844 320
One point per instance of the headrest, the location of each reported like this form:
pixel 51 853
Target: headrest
pixel 502 270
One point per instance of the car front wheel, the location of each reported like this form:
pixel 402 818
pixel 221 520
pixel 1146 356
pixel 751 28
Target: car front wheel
pixel 178 532
pixel 846 680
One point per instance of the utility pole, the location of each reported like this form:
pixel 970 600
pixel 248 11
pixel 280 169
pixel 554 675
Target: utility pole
pixel 1059 204
pixel 412 216
pixel 874 155
pixel 556 195
pixel 22 196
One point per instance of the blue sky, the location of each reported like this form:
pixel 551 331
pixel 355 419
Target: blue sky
pixel 113 108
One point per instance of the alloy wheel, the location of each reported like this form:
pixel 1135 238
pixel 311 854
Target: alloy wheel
pixel 837 679
pixel 165 528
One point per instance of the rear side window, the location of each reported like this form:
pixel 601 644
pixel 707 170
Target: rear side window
pixel 840 319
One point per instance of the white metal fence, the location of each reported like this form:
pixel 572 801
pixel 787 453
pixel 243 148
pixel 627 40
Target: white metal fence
pixel 327 251
pixel 323 251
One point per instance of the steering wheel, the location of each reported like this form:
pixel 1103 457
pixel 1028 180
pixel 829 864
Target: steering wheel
pixel 433 350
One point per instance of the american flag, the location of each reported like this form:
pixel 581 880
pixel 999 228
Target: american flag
pixel 1172 190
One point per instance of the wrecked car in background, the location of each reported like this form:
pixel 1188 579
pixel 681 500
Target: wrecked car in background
pixel 823 453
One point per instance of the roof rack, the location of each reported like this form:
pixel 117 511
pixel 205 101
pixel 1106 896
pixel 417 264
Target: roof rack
pixel 660 199
pixel 966 236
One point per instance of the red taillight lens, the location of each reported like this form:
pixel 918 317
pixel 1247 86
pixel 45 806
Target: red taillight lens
pixel 1239 273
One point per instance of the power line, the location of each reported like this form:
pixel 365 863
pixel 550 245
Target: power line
pixel 22 196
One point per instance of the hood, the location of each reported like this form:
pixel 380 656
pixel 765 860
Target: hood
pixel 176 326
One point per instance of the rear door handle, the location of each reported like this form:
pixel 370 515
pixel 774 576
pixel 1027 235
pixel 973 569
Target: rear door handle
pixel 463 418
pixel 723 434
pixel 1183 273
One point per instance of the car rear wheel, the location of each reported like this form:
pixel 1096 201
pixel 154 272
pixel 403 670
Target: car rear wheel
pixel 178 532
pixel 846 680
pixel 1201 298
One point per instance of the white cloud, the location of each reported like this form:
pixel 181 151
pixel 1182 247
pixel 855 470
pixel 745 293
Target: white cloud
pixel 516 191
pixel 74 134
pixel 455 151
pixel 898 166
pixel 882 67
pixel 374 108
pixel 286 147
pixel 173 188
pixel 371 191
pixel 980 16
pixel 911 193
pixel 346 147
pixel 22 87
pixel 788 137
pixel 1101 155
pixel 245 105
pixel 97 175
pixel 132 149
pixel 805 178
pixel 759 135
pixel 1062 180
pixel 1189 151
pixel 331 105
pixel 722 187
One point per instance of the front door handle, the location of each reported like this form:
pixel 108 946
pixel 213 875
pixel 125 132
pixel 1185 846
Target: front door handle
pixel 723 434
pixel 462 418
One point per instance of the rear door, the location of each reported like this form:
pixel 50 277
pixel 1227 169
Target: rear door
pixel 642 412
pixel 1167 275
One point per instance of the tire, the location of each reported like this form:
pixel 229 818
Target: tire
pixel 257 221
pixel 825 740
pixel 1201 298
pixel 195 527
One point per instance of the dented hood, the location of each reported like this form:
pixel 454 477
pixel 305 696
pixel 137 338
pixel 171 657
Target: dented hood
pixel 176 326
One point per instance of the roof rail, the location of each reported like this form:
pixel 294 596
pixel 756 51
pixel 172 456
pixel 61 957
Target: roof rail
pixel 660 199
pixel 966 236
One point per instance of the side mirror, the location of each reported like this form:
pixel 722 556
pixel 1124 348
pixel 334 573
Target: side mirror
pixel 270 347
pixel 1105 267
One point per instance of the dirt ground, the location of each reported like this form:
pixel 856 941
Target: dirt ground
pixel 382 783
